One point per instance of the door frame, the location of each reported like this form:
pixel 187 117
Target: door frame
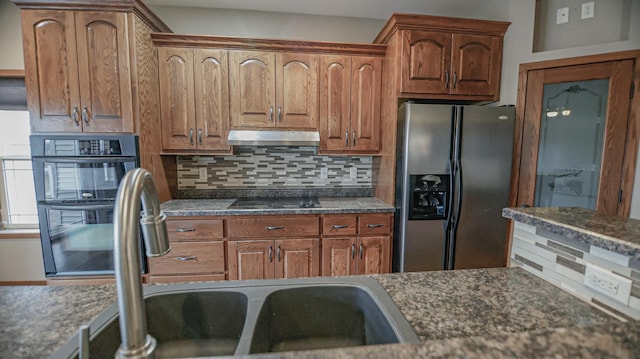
pixel 633 124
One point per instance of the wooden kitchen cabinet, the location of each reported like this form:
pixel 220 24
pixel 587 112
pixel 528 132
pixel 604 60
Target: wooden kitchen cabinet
pixel 77 71
pixel 268 259
pixel 350 90
pixel 197 251
pixel 273 90
pixel 194 99
pixel 349 249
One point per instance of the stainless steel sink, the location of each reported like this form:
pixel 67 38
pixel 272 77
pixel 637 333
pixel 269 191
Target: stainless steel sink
pixel 227 318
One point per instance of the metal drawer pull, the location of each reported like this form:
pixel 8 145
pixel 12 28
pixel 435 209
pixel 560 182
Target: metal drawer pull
pixel 270 253
pixel 74 115
pixel 375 225
pixel 182 230
pixel 186 258
pixel 200 136
pixel 85 116
pixel 279 114
pixel 446 79
pixel 361 250
pixel 340 226
pixel 279 254
pixel 271 228
pixel 191 136
pixel 354 138
pixel 353 250
pixel 455 79
pixel 346 138
pixel 270 113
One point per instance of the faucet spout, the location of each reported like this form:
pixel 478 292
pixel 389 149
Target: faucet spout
pixel 137 187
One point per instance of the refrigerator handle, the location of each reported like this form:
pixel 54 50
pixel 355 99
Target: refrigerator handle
pixel 456 189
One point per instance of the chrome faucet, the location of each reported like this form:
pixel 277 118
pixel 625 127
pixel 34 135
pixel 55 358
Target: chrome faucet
pixel 136 187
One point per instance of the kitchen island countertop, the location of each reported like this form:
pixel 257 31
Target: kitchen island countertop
pixel 504 312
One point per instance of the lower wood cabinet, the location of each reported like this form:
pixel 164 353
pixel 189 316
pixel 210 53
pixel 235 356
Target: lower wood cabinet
pixel 268 259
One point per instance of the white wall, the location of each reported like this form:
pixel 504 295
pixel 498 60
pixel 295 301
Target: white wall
pixel 21 260
pixel 10 37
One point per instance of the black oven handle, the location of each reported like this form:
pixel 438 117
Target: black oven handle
pixel 84 159
pixel 83 207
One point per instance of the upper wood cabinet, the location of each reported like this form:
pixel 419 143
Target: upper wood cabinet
pixel 273 90
pixel 350 103
pixel 77 70
pixel 444 58
pixel 194 99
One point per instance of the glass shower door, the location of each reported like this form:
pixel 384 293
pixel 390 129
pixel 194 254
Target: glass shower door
pixel 570 147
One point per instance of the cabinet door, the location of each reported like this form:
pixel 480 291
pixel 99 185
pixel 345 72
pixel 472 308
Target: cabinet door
pixel 103 67
pixel 175 66
pixel 366 82
pixel 297 91
pixel 51 70
pixel 426 61
pixel 373 255
pixel 252 89
pixel 476 64
pixel 338 256
pixel 335 102
pixel 297 258
pixel 212 98
pixel 251 260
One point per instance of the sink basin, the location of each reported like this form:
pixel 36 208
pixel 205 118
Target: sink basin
pixel 239 318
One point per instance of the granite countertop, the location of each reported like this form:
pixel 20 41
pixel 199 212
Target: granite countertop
pixel 220 207
pixel 617 234
pixel 503 312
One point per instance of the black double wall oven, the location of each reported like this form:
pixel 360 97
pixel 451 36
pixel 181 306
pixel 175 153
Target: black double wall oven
pixel 76 182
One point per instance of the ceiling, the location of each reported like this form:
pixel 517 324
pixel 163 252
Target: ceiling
pixel 373 9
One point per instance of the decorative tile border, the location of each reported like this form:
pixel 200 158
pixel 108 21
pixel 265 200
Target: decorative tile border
pixel 279 167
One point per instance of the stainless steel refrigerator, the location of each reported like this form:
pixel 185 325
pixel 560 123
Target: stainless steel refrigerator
pixel 452 181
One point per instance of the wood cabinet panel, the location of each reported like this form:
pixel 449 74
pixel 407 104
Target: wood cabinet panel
pixel 339 225
pixel 194 229
pixel 251 260
pixel 190 258
pixel 51 70
pixel 476 64
pixel 372 224
pixel 366 83
pixel 338 256
pixel 297 258
pixel 426 61
pixel 374 254
pixel 252 89
pixel 211 99
pixel 186 278
pixel 297 91
pixel 335 102
pixel 103 63
pixel 273 227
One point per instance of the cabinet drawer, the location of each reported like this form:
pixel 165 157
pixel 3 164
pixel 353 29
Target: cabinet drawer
pixel 274 227
pixel 339 225
pixel 186 278
pixel 374 224
pixel 192 229
pixel 190 258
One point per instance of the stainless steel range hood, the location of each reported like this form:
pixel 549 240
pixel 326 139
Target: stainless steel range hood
pixel 273 138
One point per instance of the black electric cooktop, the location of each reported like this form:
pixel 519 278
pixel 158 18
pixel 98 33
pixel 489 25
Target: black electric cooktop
pixel 275 203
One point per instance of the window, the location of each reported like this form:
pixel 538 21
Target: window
pixel 17 197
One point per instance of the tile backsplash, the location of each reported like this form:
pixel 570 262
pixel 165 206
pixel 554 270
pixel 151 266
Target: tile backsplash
pixel 277 167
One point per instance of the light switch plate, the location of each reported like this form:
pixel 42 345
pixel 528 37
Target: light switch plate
pixel 588 10
pixel 562 15
pixel 608 283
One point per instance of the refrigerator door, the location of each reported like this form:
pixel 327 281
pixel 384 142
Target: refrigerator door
pixel 424 147
pixel 486 145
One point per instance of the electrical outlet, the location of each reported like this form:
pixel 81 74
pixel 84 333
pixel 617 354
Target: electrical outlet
pixel 324 173
pixel 608 283
pixel 588 10
pixel 203 173
pixel 353 172
pixel 562 15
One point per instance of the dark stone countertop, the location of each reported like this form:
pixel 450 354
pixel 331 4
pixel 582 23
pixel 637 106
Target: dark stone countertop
pixel 220 207
pixel 500 313
pixel 617 234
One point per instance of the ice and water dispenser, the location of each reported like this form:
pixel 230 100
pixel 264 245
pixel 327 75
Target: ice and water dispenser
pixel 429 196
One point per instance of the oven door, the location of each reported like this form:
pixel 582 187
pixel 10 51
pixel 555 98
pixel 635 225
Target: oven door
pixel 78 239
pixel 78 178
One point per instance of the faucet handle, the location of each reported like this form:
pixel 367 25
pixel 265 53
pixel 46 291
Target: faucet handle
pixel 156 227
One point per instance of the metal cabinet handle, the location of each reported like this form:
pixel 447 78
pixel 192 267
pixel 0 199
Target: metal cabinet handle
pixel 354 138
pixel 377 225
pixel 446 79
pixel 270 253
pixel 271 228
pixel 186 258
pixel 361 250
pixel 85 116
pixel 279 114
pixel 74 115
pixel 353 250
pixel 270 113
pixel 191 136
pixel 455 79
pixel 346 138
pixel 182 230
pixel 279 254
pixel 340 226
pixel 200 136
